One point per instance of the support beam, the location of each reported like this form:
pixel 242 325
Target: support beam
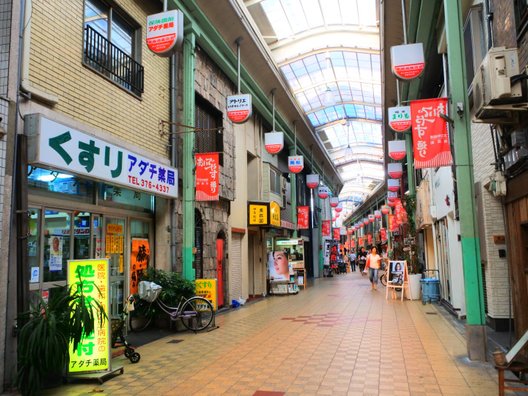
pixel 476 319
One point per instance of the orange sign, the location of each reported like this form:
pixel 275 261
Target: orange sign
pixel 139 260
pixel 114 229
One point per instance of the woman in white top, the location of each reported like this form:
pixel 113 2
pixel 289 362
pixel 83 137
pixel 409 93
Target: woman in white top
pixel 374 263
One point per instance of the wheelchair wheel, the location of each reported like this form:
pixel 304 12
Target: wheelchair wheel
pixel 134 358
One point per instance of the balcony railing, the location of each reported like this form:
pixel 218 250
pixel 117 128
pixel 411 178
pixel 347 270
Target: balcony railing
pixel 104 57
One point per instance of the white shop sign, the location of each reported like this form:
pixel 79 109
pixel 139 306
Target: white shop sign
pixel 165 32
pixel 400 118
pixel 407 61
pixel 239 108
pixel 58 146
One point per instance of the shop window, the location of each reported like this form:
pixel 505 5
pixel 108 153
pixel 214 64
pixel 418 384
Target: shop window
pixel 474 41
pixel 57 183
pixel 275 181
pixel 521 16
pixel 209 136
pixel 111 45
pixel 33 246
pixel 140 251
pixel 57 240
pixel 125 198
pixel 81 235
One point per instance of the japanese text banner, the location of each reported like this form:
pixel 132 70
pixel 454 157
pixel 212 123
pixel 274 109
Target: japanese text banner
pixel 430 134
pixel 302 217
pixel 60 147
pixel 326 228
pixel 207 177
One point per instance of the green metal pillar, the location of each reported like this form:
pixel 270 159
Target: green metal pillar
pixel 293 195
pixel 410 166
pixel 188 151
pixel 476 319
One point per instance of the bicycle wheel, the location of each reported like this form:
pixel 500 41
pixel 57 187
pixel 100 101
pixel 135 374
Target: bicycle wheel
pixel 141 317
pixel 197 313
pixel 383 279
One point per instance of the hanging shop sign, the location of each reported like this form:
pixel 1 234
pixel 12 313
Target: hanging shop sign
pixel 312 181
pixel 385 209
pixel 239 108
pixel 397 149
pixel 303 214
pixel 295 163
pixel 325 228
pixel 407 61
pixel 366 221
pixel 274 142
pixel 334 201
pixel 383 234
pixel 139 261
pixel 207 177
pixel 337 234
pixel 57 146
pixel 371 218
pixel 339 209
pixel 377 214
pixel 392 196
pixel 323 192
pixel 393 184
pixel 275 214
pixel 165 32
pixel 395 170
pixel 400 118
pixel 264 214
pixel 94 352
pixel 431 146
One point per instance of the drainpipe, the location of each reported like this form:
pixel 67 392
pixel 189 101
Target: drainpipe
pixel 293 185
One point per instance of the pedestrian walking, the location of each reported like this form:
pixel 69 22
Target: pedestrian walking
pixel 352 259
pixel 373 264
pixel 362 259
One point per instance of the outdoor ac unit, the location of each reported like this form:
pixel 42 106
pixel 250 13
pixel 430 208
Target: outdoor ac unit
pixel 495 98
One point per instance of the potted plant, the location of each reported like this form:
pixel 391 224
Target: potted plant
pixel 47 332
pixel 174 287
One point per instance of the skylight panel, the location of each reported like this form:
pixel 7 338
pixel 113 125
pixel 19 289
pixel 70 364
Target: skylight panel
pixel 295 14
pixel 349 11
pixel 331 12
pixel 277 18
pixel 367 12
pixel 313 119
pixel 312 12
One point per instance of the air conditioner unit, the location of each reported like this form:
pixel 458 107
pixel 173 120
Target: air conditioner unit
pixel 495 98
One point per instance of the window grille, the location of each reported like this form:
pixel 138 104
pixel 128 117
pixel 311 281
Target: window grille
pixel 209 136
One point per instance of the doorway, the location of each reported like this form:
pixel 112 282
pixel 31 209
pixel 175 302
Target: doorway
pixel 220 268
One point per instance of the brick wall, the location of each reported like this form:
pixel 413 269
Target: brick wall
pixel 56 66
pixel 495 268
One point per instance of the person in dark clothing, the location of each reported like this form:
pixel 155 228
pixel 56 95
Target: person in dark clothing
pixel 362 259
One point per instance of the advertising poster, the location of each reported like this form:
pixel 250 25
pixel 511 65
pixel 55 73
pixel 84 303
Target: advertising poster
pixel 206 288
pixel 55 260
pixel 93 353
pixel 278 265
pixel 139 260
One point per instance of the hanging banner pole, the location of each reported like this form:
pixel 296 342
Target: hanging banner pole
pixel 238 41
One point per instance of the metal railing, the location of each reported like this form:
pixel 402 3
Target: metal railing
pixel 104 57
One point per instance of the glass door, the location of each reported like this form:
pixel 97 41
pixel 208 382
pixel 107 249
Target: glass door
pixel 115 252
pixel 140 252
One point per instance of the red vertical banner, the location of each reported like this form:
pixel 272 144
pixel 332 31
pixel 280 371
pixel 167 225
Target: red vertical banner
pixel 303 214
pixel 431 146
pixel 353 243
pixel 360 242
pixel 369 239
pixel 337 234
pixel 207 177
pixel 383 234
pixel 326 228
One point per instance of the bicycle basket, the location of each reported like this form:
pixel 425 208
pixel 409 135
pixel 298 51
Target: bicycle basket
pixel 149 291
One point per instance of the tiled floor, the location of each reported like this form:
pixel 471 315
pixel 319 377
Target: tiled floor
pixel 335 338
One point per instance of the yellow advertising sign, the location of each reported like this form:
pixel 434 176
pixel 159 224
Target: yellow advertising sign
pixel 258 214
pixel 114 228
pixel 275 214
pixel 206 288
pixel 93 353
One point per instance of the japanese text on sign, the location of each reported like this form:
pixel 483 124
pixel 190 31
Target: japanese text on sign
pixel 206 288
pixel 207 177
pixel 93 353
pixel 258 214
pixel 65 148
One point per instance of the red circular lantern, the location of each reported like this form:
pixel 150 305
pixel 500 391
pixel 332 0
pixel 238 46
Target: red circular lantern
pixel 385 210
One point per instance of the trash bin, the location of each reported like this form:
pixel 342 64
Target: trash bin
pixel 430 290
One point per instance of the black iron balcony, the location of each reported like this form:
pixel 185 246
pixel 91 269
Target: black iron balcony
pixel 107 59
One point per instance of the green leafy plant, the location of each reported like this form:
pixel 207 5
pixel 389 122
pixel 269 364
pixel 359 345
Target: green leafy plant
pixel 49 329
pixel 173 284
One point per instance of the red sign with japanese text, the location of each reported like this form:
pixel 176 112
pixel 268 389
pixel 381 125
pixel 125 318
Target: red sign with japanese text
pixel 326 228
pixel 430 134
pixel 369 239
pixel 239 108
pixel 383 234
pixel 303 214
pixel 337 234
pixel 207 177
pixel 165 32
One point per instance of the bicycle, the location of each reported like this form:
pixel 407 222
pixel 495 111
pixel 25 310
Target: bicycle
pixel 195 313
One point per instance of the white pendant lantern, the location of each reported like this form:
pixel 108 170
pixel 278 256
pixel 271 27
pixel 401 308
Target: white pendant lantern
pixel 395 170
pixel 312 181
pixel 397 149
pixel 393 184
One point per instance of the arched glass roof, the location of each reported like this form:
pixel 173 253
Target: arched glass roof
pixel 328 53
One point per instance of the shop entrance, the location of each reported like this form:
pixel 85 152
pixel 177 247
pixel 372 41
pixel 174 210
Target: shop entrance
pixel 115 252
pixel 220 268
